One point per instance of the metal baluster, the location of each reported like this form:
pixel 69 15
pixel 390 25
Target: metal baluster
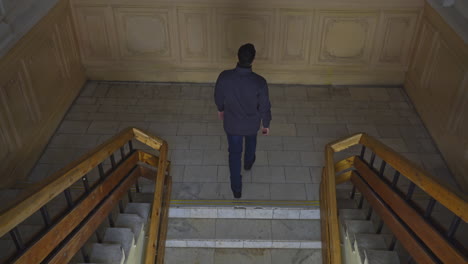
pixel 396 177
pixel 85 256
pixel 372 159
pixel 369 213
pixel 363 151
pixel 45 216
pixel 98 237
pixel 86 184
pixel 130 145
pixel 382 168
pixel 453 227
pixel 130 198
pixel 121 207
pixel 361 202
pixel 380 227
pixel 112 158
pixel 16 236
pixel 391 247
pixel 69 198
pixel 411 188
pixel 111 221
pixel 137 187
pixel 101 171
pixel 353 193
pixel 429 208
pixel 122 153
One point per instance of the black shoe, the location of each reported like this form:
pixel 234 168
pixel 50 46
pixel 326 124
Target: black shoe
pixel 237 195
pixel 249 166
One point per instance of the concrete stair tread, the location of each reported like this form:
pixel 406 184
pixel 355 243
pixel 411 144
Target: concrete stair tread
pixel 368 241
pixel 107 253
pixel 141 209
pixel 242 243
pixel 381 257
pixel 241 255
pixel 353 214
pixel 352 227
pixel 244 229
pixel 132 221
pixel 122 236
pixel 345 204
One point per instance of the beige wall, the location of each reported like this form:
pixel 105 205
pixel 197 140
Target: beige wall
pixel 437 83
pixel 310 42
pixel 39 78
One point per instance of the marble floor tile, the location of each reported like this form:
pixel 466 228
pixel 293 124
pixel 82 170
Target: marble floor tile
pixel 289 229
pixel 264 174
pixel 196 255
pixel 299 143
pixel 191 228
pixel 243 229
pixel 290 191
pixel 200 173
pixel 296 256
pixel 284 158
pixel 297 175
pixel 205 142
pixel 256 191
pixel 103 127
pixel 269 143
pixel 76 127
pixel 244 256
pixel 163 129
pixel 190 129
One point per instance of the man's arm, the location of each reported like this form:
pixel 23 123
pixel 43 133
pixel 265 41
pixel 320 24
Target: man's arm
pixel 219 95
pixel 264 106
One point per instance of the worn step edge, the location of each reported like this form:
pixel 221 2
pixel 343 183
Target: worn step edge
pixel 244 213
pixel 238 243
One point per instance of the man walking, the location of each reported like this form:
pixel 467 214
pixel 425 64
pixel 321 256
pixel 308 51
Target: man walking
pixel 242 100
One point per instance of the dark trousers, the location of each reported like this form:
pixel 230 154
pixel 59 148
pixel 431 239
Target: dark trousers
pixel 235 152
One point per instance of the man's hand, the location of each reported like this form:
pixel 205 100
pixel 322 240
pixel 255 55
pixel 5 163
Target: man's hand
pixel 221 115
pixel 265 131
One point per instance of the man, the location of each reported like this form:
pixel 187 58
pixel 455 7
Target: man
pixel 242 100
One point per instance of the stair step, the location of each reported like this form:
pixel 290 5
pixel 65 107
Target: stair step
pixel 245 243
pixel 353 214
pixel 141 209
pixel 352 227
pixel 368 241
pixel 346 204
pixel 244 212
pixel 236 256
pixel 132 221
pixel 381 257
pixel 244 229
pixel 122 236
pixel 107 253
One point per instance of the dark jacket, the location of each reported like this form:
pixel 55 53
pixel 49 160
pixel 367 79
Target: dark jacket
pixel 243 96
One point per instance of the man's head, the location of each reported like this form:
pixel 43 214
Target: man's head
pixel 246 55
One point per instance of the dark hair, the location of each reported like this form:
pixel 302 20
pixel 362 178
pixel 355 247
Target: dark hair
pixel 246 54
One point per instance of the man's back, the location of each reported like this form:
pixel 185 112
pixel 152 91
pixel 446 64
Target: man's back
pixel 243 96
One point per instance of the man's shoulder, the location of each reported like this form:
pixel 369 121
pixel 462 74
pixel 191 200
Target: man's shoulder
pixel 259 77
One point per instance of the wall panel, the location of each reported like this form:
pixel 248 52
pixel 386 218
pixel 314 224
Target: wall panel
pixel 39 79
pixel 297 41
pixel 437 83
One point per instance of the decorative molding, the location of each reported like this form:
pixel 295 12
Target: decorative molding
pixel 398 35
pixel 144 33
pixel 346 37
pixel 195 34
pixel 237 27
pixel 295 36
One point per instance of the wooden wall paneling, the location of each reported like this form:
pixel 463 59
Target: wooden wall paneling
pixel 346 37
pixel 195 35
pixel 424 49
pixel 145 33
pixel 237 27
pixel 295 37
pixel 395 37
pixel 96 32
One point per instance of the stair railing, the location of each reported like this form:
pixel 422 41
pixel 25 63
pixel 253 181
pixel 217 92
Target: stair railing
pixel 425 240
pixel 64 235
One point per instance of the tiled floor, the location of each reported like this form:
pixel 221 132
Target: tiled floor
pixel 288 161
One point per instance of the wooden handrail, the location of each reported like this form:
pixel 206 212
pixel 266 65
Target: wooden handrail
pixel 34 199
pixel 419 177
